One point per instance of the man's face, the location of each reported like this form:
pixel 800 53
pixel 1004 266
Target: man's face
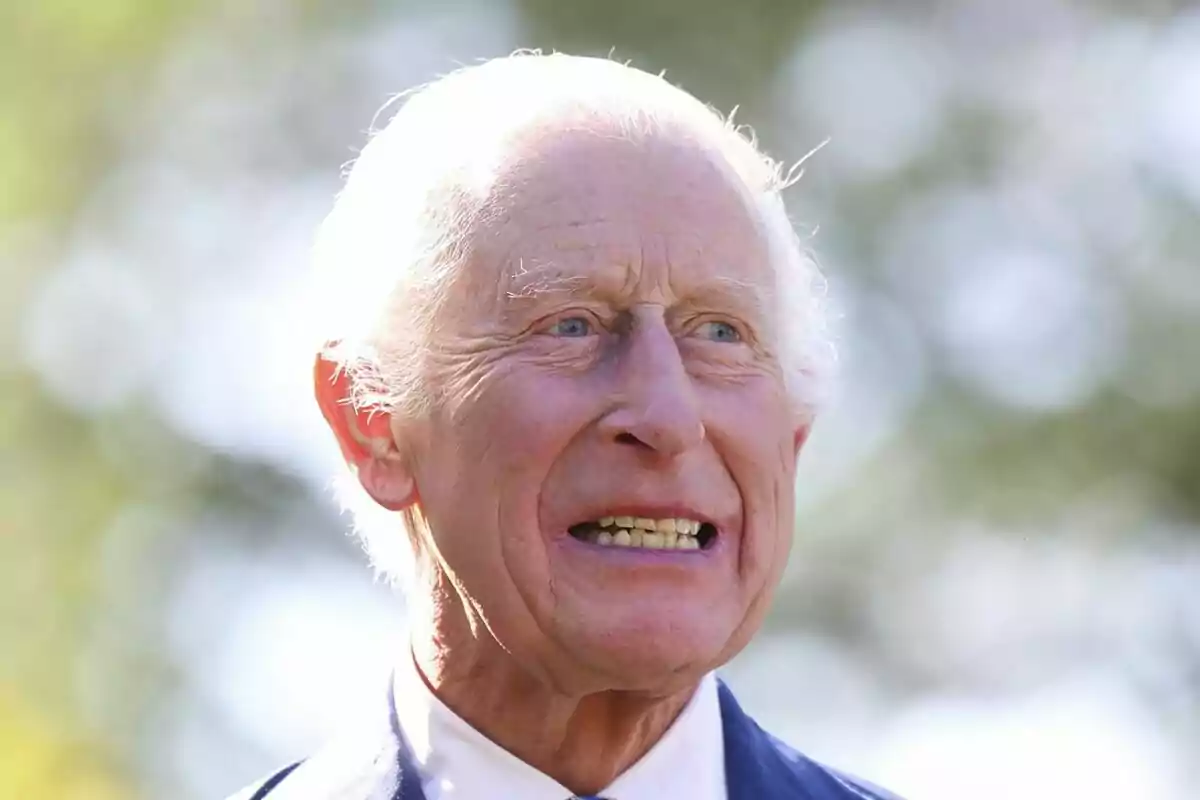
pixel 608 356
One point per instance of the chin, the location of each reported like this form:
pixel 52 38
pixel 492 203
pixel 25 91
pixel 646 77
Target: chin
pixel 651 657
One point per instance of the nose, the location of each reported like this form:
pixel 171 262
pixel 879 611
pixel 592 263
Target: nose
pixel 657 409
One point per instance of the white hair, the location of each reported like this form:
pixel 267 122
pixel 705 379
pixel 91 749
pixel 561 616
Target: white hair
pixel 384 254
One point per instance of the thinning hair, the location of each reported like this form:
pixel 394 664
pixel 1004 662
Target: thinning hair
pixel 385 254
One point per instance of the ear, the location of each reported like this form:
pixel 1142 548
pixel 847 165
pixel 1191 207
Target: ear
pixel 365 438
pixel 800 437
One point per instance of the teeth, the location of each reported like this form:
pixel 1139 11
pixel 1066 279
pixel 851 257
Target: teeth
pixel 669 525
pixel 653 534
pixel 648 540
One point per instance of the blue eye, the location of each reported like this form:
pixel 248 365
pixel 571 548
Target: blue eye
pixel 718 331
pixel 572 327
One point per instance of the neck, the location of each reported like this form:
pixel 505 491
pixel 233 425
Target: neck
pixel 583 740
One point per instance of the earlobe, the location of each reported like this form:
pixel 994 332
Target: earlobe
pixel 389 482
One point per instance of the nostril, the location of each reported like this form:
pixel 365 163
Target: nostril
pixel 628 438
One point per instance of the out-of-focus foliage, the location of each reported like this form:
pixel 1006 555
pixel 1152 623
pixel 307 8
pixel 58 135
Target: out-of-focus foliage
pixel 64 67
pixel 999 544
pixel 38 761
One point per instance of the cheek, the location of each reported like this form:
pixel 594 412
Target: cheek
pixel 483 473
pixel 752 426
pixel 515 424
pixel 754 418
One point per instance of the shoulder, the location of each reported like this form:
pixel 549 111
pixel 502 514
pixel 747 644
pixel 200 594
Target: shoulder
pixel 760 765
pixel 841 785
pixel 359 763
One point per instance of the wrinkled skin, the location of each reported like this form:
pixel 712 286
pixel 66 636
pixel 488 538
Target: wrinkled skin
pixel 609 345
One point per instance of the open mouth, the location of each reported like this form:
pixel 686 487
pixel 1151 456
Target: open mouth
pixel 673 533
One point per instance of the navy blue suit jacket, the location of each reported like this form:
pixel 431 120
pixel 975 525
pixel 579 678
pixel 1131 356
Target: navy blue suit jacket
pixel 376 766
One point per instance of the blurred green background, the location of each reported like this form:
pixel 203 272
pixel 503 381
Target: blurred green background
pixel 996 587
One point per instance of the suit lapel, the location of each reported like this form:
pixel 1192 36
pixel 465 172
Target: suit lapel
pixel 408 776
pixel 754 767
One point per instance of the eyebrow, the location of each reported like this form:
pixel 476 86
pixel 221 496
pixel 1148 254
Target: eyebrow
pixel 531 282
pixel 721 288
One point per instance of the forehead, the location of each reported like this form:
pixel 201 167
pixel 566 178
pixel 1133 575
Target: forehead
pixel 656 214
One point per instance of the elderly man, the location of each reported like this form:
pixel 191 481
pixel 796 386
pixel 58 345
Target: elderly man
pixel 570 348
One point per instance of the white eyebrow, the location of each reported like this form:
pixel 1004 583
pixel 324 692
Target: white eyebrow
pixel 538 280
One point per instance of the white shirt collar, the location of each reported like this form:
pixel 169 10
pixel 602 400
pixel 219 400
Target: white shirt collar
pixel 459 763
